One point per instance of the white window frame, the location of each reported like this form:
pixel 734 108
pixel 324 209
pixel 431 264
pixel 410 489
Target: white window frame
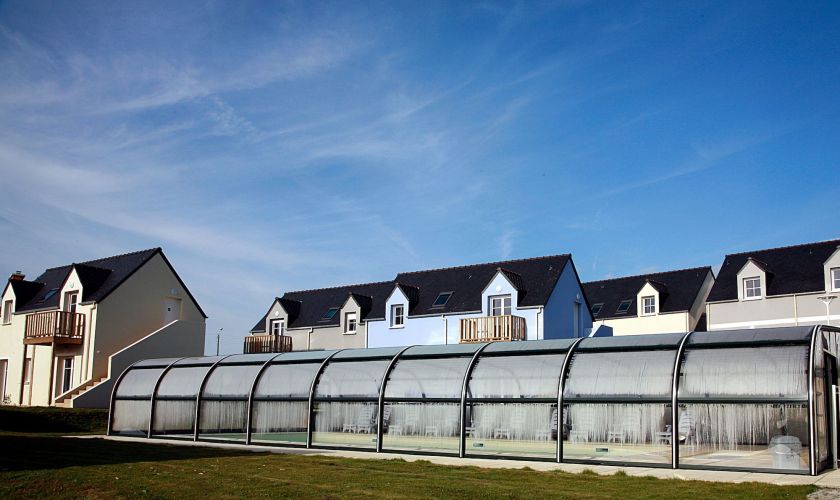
pixel 748 289
pixel 71 301
pixel 649 305
pixel 67 374
pixel 500 303
pixel 395 315
pixel 276 322
pixel 835 279
pixel 7 312
pixel 350 319
pixel 27 371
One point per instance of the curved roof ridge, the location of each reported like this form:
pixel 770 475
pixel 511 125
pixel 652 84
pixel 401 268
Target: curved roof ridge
pixel 651 274
pixel 496 263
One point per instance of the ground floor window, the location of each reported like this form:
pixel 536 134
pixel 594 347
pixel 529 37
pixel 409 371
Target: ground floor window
pixel 67 375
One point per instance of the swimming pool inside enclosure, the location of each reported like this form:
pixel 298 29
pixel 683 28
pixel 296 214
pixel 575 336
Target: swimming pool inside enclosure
pixel 731 400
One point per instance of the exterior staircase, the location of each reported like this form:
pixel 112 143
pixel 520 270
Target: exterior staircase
pixel 66 400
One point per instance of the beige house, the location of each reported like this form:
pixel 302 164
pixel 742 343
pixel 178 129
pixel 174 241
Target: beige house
pixel 788 286
pixel 67 334
pixel 325 318
pixel 667 302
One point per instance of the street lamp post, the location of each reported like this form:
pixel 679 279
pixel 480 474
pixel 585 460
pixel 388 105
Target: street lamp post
pixel 218 339
pixel 826 299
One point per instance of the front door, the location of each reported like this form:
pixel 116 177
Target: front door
pixel 172 310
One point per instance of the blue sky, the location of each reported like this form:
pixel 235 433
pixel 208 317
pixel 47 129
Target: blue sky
pixel 279 146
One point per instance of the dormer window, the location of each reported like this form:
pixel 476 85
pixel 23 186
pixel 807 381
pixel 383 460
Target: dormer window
pixel 648 305
pixel 596 308
pixel 442 299
pixel 835 279
pixel 330 314
pixel 623 307
pixel 752 288
pixel 397 315
pixel 277 327
pixel 500 305
pixel 350 323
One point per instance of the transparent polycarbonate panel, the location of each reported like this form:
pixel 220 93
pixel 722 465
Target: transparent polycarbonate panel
pixel 231 381
pixel 160 362
pixel 440 350
pixel 820 405
pixel 139 382
pixel 630 373
pixel 634 433
pixel 745 371
pixel 280 422
pixel 744 436
pixel 516 376
pixel 131 417
pixel 625 342
pixel 182 382
pixel 371 353
pixel 752 335
pixel 345 424
pixel 521 347
pixel 174 418
pixel 430 427
pixel 292 381
pixel 512 429
pixel 253 359
pixel 225 420
pixel 351 379
pixel 427 378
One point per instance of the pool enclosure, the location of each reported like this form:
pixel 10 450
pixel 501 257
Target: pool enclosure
pixel 733 400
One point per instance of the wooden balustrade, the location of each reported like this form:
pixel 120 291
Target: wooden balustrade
pixel 493 329
pixel 59 327
pixel 267 343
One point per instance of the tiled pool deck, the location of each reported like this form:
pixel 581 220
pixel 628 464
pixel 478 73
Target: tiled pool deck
pixel 828 479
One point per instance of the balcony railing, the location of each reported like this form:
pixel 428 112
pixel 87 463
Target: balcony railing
pixel 59 327
pixel 267 343
pixel 493 329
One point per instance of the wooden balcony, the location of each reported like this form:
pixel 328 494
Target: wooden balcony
pixel 55 327
pixel 267 343
pixel 493 329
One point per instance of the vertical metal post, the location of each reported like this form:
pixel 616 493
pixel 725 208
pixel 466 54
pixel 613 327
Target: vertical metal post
pixel 675 410
pixel 379 420
pixel 311 409
pixel 462 441
pixel 257 378
pixel 812 407
pixel 833 414
pixel 154 393
pixel 561 387
pixel 197 421
pixel 113 395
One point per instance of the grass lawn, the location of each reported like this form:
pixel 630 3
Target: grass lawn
pixel 44 465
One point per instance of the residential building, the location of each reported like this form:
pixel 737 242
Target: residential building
pixel 325 318
pixel 794 285
pixel 66 335
pixel 527 299
pixel 666 302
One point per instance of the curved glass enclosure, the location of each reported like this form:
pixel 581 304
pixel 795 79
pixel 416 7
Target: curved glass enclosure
pixel 739 399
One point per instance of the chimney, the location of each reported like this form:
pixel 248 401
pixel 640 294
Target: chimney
pixel 17 276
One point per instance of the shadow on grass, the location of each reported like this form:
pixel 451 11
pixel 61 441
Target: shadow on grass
pixel 23 452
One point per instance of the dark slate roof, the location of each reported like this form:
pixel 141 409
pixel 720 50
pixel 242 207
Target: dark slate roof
pixel 793 269
pixel 677 291
pixel 312 304
pixel 25 290
pixel 92 279
pixel 537 277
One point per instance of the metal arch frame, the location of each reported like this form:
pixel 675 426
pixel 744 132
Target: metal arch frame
pixel 250 415
pixel 462 440
pixel 154 395
pixel 561 387
pixel 380 427
pixel 310 411
pixel 675 386
pixel 812 407
pixel 114 395
pixel 198 395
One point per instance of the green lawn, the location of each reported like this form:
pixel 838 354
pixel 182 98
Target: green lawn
pixel 48 465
